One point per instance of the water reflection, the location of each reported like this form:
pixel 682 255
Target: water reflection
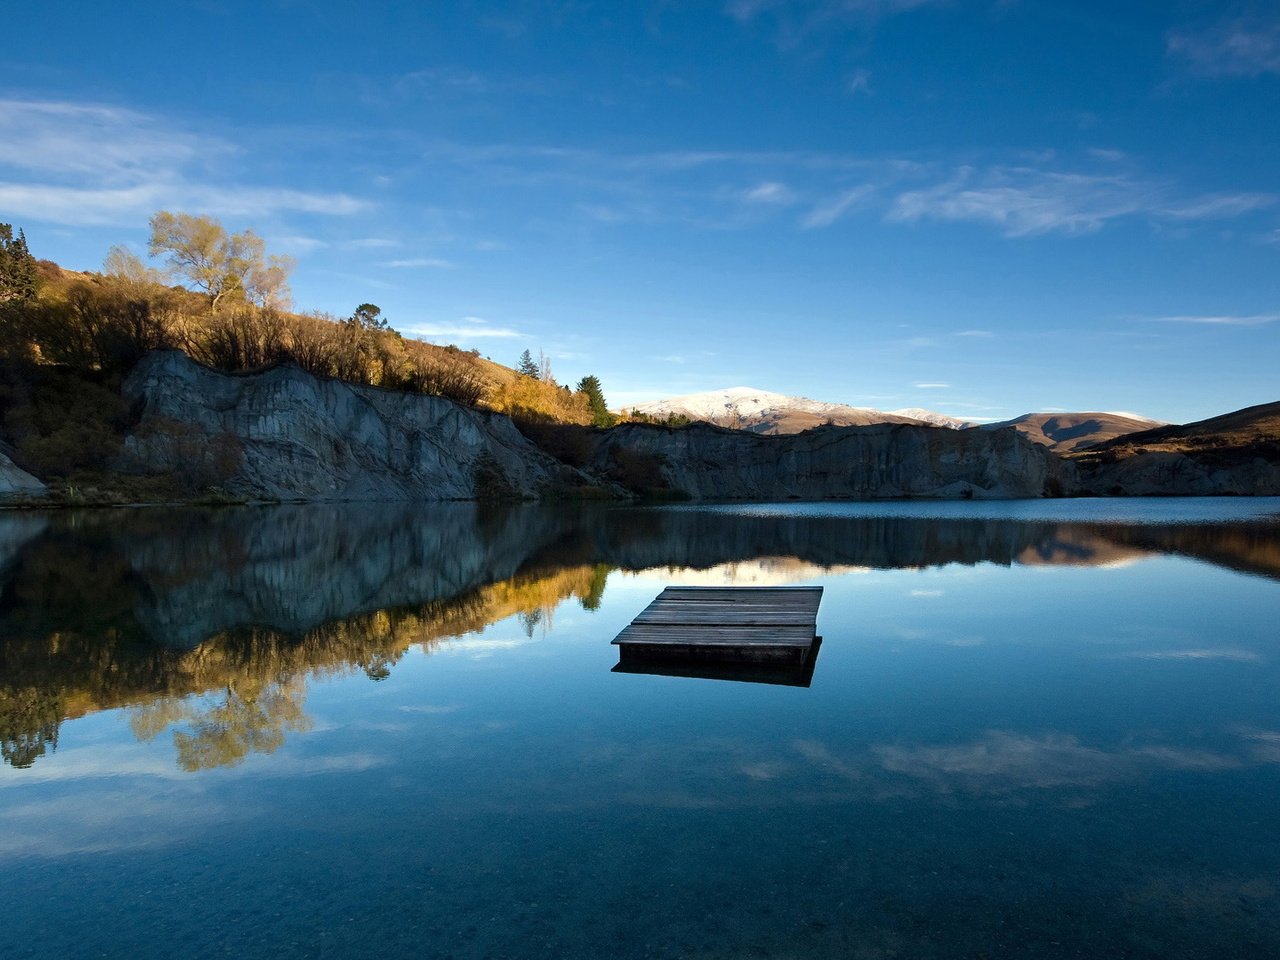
pixel 207 624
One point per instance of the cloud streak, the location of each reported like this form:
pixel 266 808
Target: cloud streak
pixel 469 328
pixel 1234 48
pixel 1022 201
pixel 412 263
pixel 1251 320
pixel 82 164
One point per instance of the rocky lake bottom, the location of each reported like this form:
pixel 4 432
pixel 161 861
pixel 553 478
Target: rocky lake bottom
pixel 1040 729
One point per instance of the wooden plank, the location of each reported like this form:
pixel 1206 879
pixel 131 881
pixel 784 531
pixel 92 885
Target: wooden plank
pixel 755 624
pixel 749 636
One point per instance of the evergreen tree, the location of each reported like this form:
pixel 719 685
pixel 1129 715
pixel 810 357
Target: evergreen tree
pixel 368 316
pixel 526 366
pixel 600 415
pixel 18 279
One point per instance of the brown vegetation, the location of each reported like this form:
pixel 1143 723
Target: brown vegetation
pixel 68 339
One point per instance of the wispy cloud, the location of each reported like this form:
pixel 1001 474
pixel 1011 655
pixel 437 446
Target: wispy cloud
pixel 1043 192
pixel 1224 320
pixel 300 245
pixel 1233 48
pixel 78 206
pixel 420 263
pixel 932 386
pixel 1220 206
pixel 860 82
pixel 467 328
pixel 828 212
pixel 986 334
pixel 370 243
pixel 771 191
pixel 794 21
pixel 1204 653
pixel 1025 201
pixel 77 163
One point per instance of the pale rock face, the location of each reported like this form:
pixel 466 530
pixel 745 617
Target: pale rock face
pixel 16 483
pixel 285 434
pixel 860 463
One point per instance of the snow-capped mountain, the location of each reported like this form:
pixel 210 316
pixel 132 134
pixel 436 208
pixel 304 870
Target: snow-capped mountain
pixel 937 419
pixel 762 411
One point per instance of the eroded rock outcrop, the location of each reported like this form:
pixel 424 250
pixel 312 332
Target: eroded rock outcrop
pixel 859 463
pixel 16 483
pixel 284 434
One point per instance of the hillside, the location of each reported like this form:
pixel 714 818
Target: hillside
pixel 762 411
pixel 1071 432
pixel 1240 432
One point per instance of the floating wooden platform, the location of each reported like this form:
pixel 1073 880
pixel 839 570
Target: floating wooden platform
pixel 785 674
pixel 763 625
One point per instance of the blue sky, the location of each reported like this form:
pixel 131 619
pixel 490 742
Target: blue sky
pixel 983 207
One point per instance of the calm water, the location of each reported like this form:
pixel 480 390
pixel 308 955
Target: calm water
pixel 1036 730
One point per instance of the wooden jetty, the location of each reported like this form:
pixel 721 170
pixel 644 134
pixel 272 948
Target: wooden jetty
pixel 774 626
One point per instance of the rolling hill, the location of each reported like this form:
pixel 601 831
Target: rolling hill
pixel 1072 432
pixel 1249 429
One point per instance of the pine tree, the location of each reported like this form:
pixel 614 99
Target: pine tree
pixel 526 366
pixel 18 278
pixel 600 415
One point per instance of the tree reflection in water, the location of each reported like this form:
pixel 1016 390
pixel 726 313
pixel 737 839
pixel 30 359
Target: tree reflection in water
pixel 210 622
pixel 246 718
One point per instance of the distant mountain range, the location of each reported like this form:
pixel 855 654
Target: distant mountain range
pixel 761 411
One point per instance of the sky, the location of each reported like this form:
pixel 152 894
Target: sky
pixel 981 207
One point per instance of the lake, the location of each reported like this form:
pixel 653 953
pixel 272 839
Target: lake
pixel 1034 729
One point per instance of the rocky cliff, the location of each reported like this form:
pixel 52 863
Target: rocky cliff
pixel 858 463
pixel 16 483
pixel 284 434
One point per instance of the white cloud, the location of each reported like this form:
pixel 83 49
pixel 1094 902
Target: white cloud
pixel 77 206
pixel 860 82
pixel 1206 653
pixel 798 18
pixel 933 386
pixel 1107 154
pixel 1025 201
pixel 108 143
pixel 297 244
pixel 1236 48
pixel 1220 206
pixel 84 163
pixel 828 213
pixel 468 329
pixel 1253 320
pixel 421 262
pixel 987 334
pixel 771 191
pixel 370 243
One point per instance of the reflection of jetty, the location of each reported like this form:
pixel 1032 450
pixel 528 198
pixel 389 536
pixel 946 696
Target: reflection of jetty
pixel 701 630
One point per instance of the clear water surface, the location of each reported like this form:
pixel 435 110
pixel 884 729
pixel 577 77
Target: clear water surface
pixel 1041 730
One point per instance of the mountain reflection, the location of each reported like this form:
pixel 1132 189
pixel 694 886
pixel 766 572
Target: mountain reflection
pixel 206 624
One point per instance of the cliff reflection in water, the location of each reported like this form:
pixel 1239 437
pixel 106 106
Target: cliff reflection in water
pixel 207 623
